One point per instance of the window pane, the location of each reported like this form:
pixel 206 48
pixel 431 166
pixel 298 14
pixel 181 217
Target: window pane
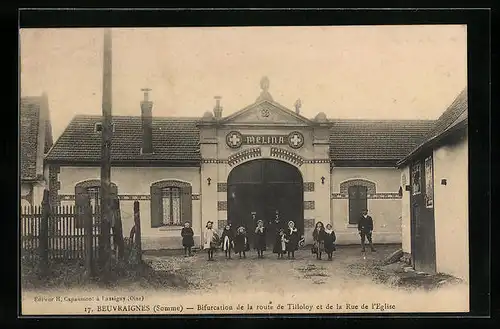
pixel 171 198
pixel 166 209
pixel 176 209
pixel 94 196
pixel 416 177
pixel 429 183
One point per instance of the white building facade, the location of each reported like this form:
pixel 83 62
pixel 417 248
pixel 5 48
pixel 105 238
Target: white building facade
pixel 261 160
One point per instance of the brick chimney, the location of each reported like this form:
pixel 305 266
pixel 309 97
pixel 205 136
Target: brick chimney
pixel 217 108
pixel 147 123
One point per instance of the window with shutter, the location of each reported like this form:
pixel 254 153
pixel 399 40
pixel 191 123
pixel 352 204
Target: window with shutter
pixel 186 204
pixel 90 190
pixel 170 203
pixel 156 207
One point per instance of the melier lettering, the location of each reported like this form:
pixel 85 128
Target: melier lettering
pixel 122 308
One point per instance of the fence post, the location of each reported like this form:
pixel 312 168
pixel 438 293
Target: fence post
pixel 137 224
pixel 89 238
pixel 44 234
pixel 118 229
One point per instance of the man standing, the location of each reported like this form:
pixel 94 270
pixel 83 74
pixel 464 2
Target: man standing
pixel 365 228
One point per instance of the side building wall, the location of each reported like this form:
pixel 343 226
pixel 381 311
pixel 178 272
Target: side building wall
pixel 383 203
pixel 134 183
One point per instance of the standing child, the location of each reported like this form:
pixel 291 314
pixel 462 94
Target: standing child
pixel 319 240
pixel 280 244
pixel 241 242
pixel 260 238
pixel 211 238
pixel 292 235
pixel 330 239
pixel 227 240
pixel 187 238
pixel 278 232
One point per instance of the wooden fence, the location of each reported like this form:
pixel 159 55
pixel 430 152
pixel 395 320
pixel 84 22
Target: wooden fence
pixel 66 234
pixel 74 233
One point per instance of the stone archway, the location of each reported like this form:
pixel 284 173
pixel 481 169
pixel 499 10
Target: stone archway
pixel 265 186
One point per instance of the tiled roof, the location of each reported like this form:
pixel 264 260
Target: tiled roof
pixel 376 139
pixel 455 114
pixel 174 139
pixel 457 108
pixel 28 135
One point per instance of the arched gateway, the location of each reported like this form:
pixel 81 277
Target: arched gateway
pixel 265 186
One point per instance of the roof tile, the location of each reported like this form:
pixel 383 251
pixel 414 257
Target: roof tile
pixel 28 135
pixel 177 139
pixel 173 139
pixel 375 139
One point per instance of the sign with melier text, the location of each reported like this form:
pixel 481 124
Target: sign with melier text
pixel 235 139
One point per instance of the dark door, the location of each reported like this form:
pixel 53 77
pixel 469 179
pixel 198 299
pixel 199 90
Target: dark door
pixel 357 202
pixel 423 242
pixel 264 187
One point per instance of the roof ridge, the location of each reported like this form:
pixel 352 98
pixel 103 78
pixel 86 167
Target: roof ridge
pixel 92 116
pixel 381 120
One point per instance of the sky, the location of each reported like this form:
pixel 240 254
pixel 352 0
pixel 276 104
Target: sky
pixel 358 72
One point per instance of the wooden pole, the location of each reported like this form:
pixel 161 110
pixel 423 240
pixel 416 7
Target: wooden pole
pixel 88 242
pixel 107 132
pixel 137 225
pixel 44 234
pixel 118 229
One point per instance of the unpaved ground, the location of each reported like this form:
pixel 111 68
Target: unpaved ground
pixel 349 268
pixel 350 278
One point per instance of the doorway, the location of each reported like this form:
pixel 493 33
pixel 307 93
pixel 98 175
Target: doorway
pixel 357 202
pixel 422 226
pixel 264 187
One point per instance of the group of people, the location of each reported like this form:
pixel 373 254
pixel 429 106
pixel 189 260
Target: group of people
pixel 286 239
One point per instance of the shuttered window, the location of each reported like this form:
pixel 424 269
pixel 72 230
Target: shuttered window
pixel 90 191
pixel 170 203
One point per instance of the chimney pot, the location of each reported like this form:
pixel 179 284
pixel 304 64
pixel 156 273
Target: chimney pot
pixel 147 123
pixel 217 108
pixel 146 93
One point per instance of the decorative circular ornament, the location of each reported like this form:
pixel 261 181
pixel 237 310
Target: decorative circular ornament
pixel 295 140
pixel 234 139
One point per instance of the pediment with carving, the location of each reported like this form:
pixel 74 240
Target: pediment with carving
pixel 266 112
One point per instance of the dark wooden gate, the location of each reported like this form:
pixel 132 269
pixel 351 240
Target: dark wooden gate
pixel 423 240
pixel 264 186
pixel 357 202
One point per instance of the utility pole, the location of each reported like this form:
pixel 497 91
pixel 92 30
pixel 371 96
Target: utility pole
pixel 107 132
